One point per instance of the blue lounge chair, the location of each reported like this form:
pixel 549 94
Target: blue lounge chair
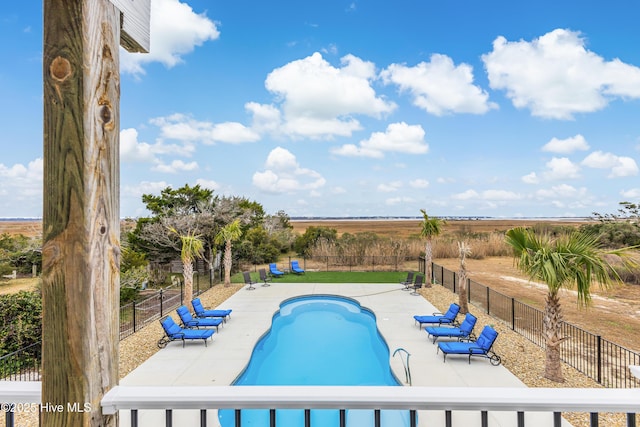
pixel 174 332
pixel 464 332
pixel 273 270
pixel 447 318
pixel 480 347
pixel 295 267
pixel 188 321
pixel 408 281
pixel 248 280
pixel 202 312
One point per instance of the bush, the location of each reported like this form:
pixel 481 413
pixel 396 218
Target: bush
pixel 21 315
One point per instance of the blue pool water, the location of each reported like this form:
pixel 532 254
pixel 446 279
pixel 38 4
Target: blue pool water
pixel 319 340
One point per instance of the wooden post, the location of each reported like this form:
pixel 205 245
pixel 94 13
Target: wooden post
pixel 81 230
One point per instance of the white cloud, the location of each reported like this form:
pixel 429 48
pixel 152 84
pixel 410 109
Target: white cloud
pixel 175 166
pixel 318 99
pixel 531 178
pixel 144 187
pixel 283 174
pixel 566 146
pixel 419 183
pixel 620 166
pixel 632 193
pixel 440 87
pixel 398 137
pixel 186 129
pixel 466 195
pixel 23 186
pixel 398 201
pixel 208 184
pixel 562 191
pixel 175 31
pixel 561 168
pixel 500 195
pixel 390 187
pixel 555 76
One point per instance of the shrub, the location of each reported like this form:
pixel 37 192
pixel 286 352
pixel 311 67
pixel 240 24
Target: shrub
pixel 21 315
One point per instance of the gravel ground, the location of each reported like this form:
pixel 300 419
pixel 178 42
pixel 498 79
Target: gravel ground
pixel 519 355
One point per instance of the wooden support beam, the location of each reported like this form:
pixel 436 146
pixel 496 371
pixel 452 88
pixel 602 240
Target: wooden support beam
pixel 135 23
pixel 81 233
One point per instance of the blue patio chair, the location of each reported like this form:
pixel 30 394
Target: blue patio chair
pixel 464 332
pixel 188 321
pixel 174 332
pixel 447 318
pixel 273 270
pixel 200 311
pixel 480 347
pixel 295 267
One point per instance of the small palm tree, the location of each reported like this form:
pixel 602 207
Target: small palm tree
pixel 227 235
pixel 567 261
pixel 192 248
pixel 431 227
pixel 463 250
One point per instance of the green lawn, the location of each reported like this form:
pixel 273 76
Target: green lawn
pixel 334 277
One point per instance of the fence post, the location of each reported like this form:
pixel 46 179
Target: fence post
pixel 181 294
pixel 488 298
pixel 161 308
pixel 454 282
pixel 469 290
pixel 513 314
pixel 599 355
pixel 134 315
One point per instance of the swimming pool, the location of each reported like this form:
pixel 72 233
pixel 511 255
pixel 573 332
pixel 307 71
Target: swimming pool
pixel 319 340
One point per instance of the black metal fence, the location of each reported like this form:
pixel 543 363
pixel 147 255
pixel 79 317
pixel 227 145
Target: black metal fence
pixel 352 263
pixel 24 364
pixel 598 358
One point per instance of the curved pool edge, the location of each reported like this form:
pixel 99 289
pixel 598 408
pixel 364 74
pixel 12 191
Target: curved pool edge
pixel 289 300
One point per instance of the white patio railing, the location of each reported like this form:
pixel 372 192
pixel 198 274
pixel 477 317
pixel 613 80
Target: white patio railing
pixel 448 401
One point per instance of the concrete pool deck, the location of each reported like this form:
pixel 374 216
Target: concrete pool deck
pixel 229 351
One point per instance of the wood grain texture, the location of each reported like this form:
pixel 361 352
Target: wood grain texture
pixel 80 223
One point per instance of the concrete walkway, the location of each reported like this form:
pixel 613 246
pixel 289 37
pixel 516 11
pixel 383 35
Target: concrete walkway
pixel 230 350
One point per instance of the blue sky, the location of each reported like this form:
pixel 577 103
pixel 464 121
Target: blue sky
pixel 359 108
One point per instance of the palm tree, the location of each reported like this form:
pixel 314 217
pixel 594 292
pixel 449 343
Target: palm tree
pixel 228 234
pixel 431 227
pixel 566 261
pixel 192 248
pixel 463 250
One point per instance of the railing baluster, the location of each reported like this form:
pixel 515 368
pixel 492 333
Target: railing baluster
pixel 134 418
pixel 238 414
pixel 307 418
pixel 376 418
pixel 343 418
pixel 520 419
pixel 9 418
pixel 557 419
pixel 203 418
pixel 272 417
pixel 484 419
pixel 413 419
pixel 593 419
pixel 168 418
pixel 447 418
pixel 631 419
